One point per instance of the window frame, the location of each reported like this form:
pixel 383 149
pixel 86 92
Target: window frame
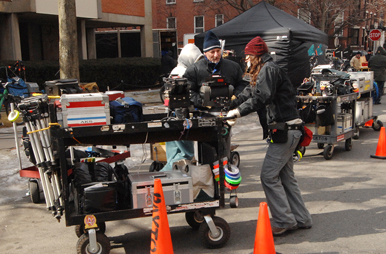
pixel 175 22
pixel 302 16
pixel 338 20
pixel 216 19
pixel 171 1
pixel 203 24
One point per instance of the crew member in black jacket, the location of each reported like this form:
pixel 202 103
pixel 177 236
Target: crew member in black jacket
pixel 213 63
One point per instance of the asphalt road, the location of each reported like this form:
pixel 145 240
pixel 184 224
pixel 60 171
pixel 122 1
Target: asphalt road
pixel 346 197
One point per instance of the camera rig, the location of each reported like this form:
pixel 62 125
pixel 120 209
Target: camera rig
pixel 215 92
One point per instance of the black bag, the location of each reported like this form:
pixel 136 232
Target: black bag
pixel 325 116
pixel 278 132
pixel 126 110
pixel 99 199
pixel 308 113
pixel 103 172
pixel 81 174
pixel 123 192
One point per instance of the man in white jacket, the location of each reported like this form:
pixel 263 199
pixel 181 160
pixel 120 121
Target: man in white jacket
pixel 183 149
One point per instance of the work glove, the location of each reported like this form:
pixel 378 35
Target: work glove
pixel 233 113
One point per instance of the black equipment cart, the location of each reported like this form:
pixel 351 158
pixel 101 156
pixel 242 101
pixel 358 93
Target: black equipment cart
pixel 208 131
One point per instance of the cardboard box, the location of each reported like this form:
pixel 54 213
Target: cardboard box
pixel 79 110
pixel 344 123
pixel 177 188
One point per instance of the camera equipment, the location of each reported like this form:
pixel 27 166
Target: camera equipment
pixel 215 92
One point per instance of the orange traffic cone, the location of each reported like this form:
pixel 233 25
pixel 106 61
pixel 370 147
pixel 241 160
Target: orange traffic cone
pixel 369 123
pixel 381 147
pixel 161 240
pixel 264 243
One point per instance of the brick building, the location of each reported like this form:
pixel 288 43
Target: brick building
pixel 29 28
pixel 189 17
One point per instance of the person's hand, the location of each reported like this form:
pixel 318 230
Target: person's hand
pixel 233 114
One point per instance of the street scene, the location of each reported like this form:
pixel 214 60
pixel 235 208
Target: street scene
pixel 345 196
pixel 195 127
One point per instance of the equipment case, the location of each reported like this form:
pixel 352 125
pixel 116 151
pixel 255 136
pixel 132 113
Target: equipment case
pixel 84 110
pixel 177 188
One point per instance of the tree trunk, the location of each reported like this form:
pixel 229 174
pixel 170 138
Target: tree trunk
pixel 68 42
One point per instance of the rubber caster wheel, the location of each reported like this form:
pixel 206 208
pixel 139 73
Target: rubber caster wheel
pixel 194 219
pixel 328 151
pixel 320 145
pixel 103 243
pixel 348 144
pixel 34 192
pixel 235 159
pixel 79 229
pixel 218 241
pixel 155 166
pixel 377 125
pixel 234 202
pixel 356 133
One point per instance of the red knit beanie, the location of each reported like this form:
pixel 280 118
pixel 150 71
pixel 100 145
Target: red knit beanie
pixel 256 47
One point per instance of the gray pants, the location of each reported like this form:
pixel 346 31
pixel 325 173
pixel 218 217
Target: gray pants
pixel 280 185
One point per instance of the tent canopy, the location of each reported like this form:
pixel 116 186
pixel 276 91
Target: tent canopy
pixel 292 40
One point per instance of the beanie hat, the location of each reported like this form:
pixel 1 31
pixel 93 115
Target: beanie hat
pixel 256 47
pixel 211 41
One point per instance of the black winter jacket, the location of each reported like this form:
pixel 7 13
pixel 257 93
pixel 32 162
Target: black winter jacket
pixel 377 64
pixel 199 71
pixel 273 90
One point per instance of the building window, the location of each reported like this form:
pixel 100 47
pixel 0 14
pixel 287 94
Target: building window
pixel 337 23
pixel 304 15
pixel 199 24
pixel 171 22
pixel 219 19
pixel 354 36
pixel 170 1
pixel 197 1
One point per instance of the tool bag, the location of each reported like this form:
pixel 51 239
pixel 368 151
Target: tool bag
pixel 18 87
pixel 126 110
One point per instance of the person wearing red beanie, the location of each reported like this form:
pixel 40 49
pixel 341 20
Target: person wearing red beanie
pixel 271 88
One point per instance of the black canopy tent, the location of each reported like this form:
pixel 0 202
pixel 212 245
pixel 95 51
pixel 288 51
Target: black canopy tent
pixel 291 39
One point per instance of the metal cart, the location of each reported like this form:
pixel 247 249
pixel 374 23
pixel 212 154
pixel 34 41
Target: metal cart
pixel 207 131
pixel 335 124
pixel 363 82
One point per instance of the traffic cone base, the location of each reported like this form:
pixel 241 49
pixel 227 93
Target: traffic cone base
pixel 264 243
pixel 381 147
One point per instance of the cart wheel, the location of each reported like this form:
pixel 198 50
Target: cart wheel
pixel 348 144
pixel 377 125
pixel 235 159
pixel 155 166
pixel 82 247
pixel 79 229
pixel 194 219
pixel 320 145
pixel 328 151
pixel 356 133
pixel 302 149
pixel 215 242
pixel 234 201
pixel 34 193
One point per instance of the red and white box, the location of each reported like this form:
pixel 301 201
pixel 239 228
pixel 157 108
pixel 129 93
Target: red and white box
pixel 84 109
pixel 113 95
